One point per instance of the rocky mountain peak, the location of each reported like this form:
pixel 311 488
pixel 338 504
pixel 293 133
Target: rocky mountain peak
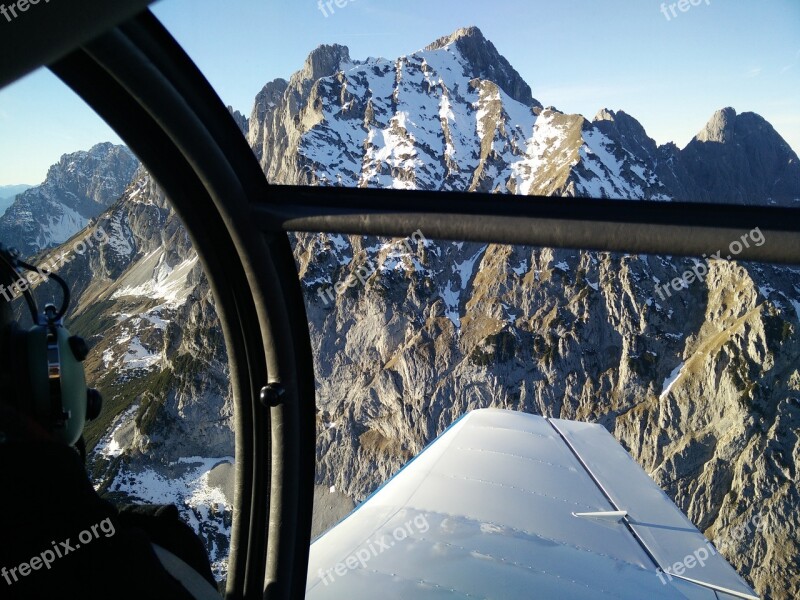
pixel 605 114
pixel 457 115
pixel 76 164
pixel 742 159
pixel 272 93
pixel 487 63
pixel 720 128
pixel 77 188
pixel 627 131
pixel 621 120
pixel 464 33
pixel 324 61
pixel 270 96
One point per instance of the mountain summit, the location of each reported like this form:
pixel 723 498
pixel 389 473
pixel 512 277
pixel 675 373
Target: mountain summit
pixel 471 33
pixel 720 128
pixel 457 116
pixel 486 62
pixel 740 158
pixel 78 188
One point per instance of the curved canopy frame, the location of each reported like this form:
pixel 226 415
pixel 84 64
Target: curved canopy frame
pixel 143 84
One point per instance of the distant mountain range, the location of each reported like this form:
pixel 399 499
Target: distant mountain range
pixel 453 116
pixel 8 193
pixel 701 387
pixel 77 188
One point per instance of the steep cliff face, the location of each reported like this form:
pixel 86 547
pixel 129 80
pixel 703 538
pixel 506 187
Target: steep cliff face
pixel 77 188
pixel 282 112
pixel 700 384
pixel 740 157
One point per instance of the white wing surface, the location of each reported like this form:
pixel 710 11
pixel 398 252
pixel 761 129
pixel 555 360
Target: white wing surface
pixel 508 505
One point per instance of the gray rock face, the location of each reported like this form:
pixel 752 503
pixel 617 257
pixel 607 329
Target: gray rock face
pixel 265 107
pixel 241 120
pixel 140 298
pixel 281 113
pixel 485 62
pixel 739 159
pixel 77 188
pixel 330 507
pixel 622 128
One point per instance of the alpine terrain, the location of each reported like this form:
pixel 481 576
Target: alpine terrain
pixel 8 193
pixel 701 385
pixel 77 189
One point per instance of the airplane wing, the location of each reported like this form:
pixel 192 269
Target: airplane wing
pixel 511 505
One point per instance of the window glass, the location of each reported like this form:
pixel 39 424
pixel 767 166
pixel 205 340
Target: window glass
pixel 688 362
pixel 92 214
pixel 691 363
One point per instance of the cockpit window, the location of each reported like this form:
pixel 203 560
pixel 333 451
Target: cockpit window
pixel 89 211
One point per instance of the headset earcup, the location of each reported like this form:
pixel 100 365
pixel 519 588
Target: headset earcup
pixel 36 394
pixel 73 390
pixel 26 380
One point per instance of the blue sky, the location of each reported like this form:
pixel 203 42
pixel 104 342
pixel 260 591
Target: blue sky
pixel 577 55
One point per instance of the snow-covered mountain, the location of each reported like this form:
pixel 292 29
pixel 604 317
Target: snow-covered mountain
pixel 457 116
pixel 77 188
pixel 701 385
